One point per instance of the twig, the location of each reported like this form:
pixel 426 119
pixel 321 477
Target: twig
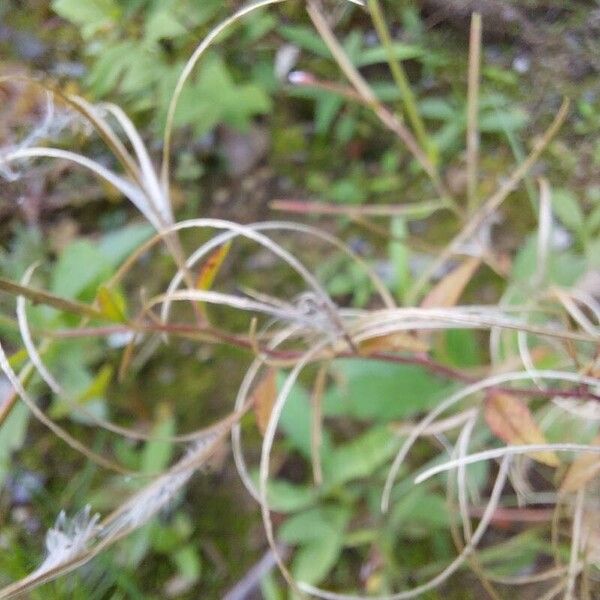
pixel 372 210
pixel 244 343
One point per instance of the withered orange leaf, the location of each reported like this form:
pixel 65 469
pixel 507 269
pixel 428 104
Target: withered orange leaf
pixel 450 288
pixel 264 396
pixel 510 419
pixel 583 469
pixel 209 270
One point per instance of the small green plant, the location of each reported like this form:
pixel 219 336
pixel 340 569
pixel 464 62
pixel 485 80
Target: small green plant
pixel 135 50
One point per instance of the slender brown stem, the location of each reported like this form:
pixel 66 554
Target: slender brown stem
pixel 473 111
pixel 213 335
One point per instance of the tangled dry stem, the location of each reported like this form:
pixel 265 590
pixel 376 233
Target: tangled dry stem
pixel 313 330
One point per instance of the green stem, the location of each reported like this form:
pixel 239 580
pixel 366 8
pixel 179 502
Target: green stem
pixel 46 298
pixel 408 98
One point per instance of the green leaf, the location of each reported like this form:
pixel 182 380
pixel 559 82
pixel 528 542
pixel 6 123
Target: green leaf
pixel 420 509
pixel 314 523
pixel 593 253
pixel 286 497
pixel 90 15
pixel 99 384
pixel 157 452
pixel 269 588
pixel 378 391
pixel 314 560
pixel 372 56
pixel 112 304
pixel 295 421
pixel 461 348
pixel 163 24
pixel 325 112
pixel 110 65
pixel 216 97
pixel 437 109
pixel 12 436
pixel 563 269
pixel 568 209
pixel 91 394
pixel 498 121
pixel 144 68
pixel 361 457
pixel 80 266
pixel 188 563
pixel 513 555
pixel 306 38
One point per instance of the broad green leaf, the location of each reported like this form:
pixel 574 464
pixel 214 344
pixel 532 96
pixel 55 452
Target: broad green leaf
pixel 110 65
pixel 117 245
pixel 361 457
pixel 144 66
pixel 79 267
pixel 163 24
pixel 90 15
pixel 461 348
pixel 286 497
pixel 314 560
pixel 314 523
pixel 372 390
pixel 295 421
pixel 216 97
pixel 421 509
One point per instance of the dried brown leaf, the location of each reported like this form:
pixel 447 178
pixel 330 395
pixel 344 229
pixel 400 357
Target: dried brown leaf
pixel 263 398
pixel 583 469
pixel 448 290
pixel 510 419
pixel 393 341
